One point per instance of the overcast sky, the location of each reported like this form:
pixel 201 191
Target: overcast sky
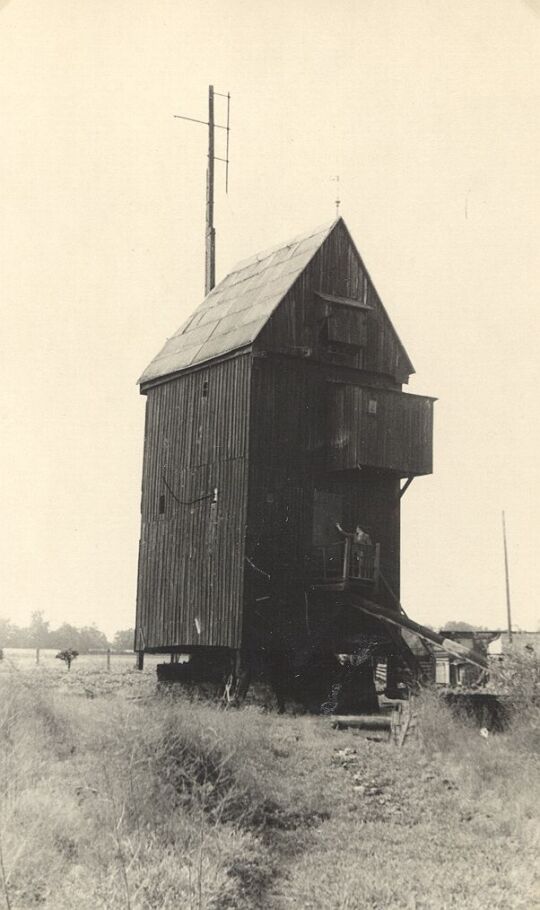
pixel 428 111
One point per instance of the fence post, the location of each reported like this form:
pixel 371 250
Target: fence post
pixel 37 656
pixel 108 658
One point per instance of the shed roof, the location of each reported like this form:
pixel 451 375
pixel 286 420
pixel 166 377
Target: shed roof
pixel 234 312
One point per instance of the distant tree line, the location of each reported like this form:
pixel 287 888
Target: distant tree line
pixel 460 626
pixel 38 634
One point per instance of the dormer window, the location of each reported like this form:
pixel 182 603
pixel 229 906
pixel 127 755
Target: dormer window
pixel 343 332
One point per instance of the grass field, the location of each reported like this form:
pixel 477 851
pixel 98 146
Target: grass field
pixel 115 796
pixel 25 659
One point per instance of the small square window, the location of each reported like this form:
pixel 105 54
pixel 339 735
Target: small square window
pixel 372 406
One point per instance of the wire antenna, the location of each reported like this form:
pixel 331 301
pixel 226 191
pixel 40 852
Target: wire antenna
pixel 210 234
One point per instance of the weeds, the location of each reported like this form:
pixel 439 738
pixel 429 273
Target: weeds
pixel 449 821
pixel 122 801
pixel 5 889
pixel 139 804
pixel 518 678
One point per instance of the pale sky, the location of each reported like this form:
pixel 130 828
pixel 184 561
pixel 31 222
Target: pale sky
pixel 428 111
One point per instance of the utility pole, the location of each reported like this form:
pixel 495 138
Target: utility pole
pixel 210 248
pixel 210 231
pixel 507 576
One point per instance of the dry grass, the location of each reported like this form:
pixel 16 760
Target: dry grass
pixel 114 797
pixel 451 821
pixel 141 801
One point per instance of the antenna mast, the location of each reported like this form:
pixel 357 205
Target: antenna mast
pixel 210 247
pixel 210 231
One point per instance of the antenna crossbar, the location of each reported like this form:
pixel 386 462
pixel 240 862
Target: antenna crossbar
pixel 204 122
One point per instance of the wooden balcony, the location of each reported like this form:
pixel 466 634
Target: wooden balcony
pixel 344 565
pixel 380 428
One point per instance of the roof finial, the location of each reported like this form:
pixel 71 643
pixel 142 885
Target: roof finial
pixel 338 200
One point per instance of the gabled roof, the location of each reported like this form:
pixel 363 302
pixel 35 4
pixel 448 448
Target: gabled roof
pixel 234 312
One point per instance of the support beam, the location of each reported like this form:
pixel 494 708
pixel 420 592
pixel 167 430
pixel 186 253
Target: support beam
pixel 406 486
pixel 403 622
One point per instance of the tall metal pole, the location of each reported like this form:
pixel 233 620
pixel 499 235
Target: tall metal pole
pixel 507 575
pixel 210 251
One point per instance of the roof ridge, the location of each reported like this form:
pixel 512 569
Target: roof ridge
pixel 269 251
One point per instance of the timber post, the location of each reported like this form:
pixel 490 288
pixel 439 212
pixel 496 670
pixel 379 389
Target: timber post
pixel 140 660
pixel 507 580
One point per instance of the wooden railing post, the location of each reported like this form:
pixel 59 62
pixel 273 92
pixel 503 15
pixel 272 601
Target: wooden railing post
pixel 346 558
pixel 377 565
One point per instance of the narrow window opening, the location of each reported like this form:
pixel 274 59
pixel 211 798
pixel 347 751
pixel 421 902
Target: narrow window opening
pixel 162 504
pixel 372 406
pixel 205 389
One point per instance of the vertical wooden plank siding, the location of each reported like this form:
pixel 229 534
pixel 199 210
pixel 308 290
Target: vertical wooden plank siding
pixel 336 269
pixel 271 430
pixel 386 430
pixel 289 462
pixel 190 581
pixel 305 438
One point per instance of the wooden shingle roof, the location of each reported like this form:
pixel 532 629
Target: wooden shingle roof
pixel 234 312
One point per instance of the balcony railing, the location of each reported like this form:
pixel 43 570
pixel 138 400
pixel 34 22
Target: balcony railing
pixel 341 564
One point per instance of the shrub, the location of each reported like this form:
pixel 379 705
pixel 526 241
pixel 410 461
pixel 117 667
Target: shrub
pixel 68 655
pixel 517 675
